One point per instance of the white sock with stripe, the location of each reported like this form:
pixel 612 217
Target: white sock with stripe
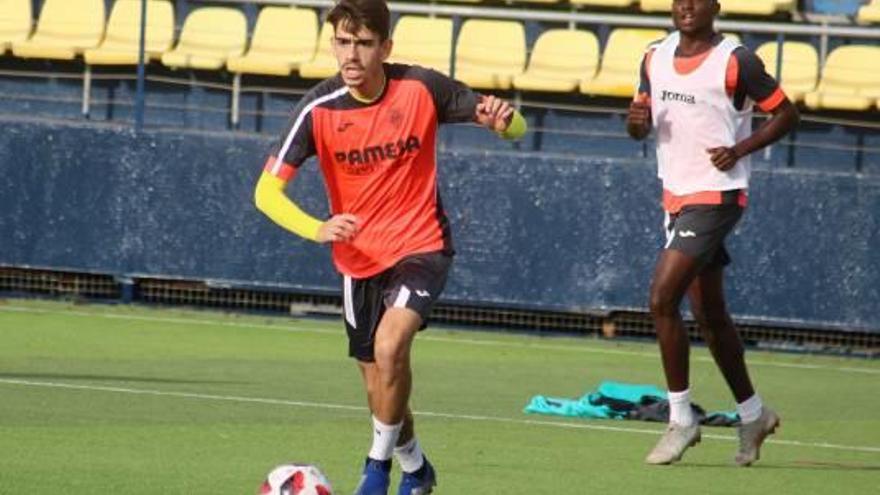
pixel 384 439
pixel 410 456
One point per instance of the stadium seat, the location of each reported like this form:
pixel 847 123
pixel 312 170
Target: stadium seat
pixel 755 8
pixel 490 53
pixel 869 13
pixel 283 38
pixel 65 29
pixel 324 64
pixel 604 3
pixel 561 60
pixel 655 5
pixel 210 36
pixel 545 2
pixel 800 66
pixel 849 80
pixel 836 8
pixel 619 69
pixel 423 41
pixel 121 45
pixel 742 7
pixel 15 22
pixel 735 37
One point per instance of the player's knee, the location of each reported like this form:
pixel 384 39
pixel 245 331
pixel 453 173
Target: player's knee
pixel 662 302
pixel 391 355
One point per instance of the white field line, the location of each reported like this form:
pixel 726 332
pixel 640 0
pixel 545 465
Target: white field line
pixel 433 338
pixel 453 416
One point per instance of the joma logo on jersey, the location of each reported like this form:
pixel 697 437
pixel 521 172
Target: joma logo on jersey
pixel 373 154
pixel 673 96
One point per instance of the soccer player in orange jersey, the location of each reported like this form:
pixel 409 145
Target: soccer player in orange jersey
pixel 373 127
pixel 697 92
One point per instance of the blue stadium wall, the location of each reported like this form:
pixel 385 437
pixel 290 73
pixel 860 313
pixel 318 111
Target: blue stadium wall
pixel 533 229
pixel 567 220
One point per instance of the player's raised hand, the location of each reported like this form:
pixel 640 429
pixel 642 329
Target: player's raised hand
pixel 494 113
pixel 723 158
pixel 340 228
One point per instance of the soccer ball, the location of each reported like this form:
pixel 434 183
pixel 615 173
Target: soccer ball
pixel 296 479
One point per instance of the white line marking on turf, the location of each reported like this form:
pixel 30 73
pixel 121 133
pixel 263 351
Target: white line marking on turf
pixel 468 417
pixel 489 343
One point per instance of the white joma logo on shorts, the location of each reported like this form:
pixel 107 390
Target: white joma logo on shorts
pixel 423 293
pixel 686 233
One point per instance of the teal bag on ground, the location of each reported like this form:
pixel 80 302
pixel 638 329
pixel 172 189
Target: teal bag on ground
pixel 618 400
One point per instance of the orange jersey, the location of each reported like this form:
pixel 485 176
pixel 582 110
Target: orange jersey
pixel 378 162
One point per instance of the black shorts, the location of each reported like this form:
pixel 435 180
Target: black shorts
pixel 415 282
pixel 699 231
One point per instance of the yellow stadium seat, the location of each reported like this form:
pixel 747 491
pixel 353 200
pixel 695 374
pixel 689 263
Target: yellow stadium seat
pixel 849 80
pixel 490 53
pixel 733 36
pixel 869 13
pixel 561 60
pixel 743 7
pixel 655 5
pixel 604 3
pixel 210 36
pixel 15 22
pixel 284 38
pixel 121 45
pixel 800 66
pixel 66 28
pixel 423 41
pixel 324 64
pixel 619 70
pixel 757 8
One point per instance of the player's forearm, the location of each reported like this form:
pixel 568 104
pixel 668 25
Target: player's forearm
pixel 270 199
pixel 517 127
pixel 783 120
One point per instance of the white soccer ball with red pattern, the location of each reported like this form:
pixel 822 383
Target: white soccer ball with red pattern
pixel 296 479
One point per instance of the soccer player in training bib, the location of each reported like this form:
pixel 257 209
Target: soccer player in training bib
pixel 697 92
pixel 373 127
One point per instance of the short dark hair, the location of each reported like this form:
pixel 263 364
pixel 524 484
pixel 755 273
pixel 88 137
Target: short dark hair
pixel 355 14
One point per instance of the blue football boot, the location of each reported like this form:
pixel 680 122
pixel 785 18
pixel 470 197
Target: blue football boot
pixel 375 479
pixel 420 482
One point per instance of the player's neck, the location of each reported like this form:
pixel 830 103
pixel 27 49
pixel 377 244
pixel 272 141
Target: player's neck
pixel 692 44
pixel 370 92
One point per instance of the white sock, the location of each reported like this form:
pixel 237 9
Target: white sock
pixel 410 456
pixel 384 439
pixel 680 408
pixel 750 410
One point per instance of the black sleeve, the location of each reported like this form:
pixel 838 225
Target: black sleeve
pixel 753 82
pixel 297 143
pixel 455 101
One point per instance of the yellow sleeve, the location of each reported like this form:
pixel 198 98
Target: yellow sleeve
pixel 517 127
pixel 271 200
